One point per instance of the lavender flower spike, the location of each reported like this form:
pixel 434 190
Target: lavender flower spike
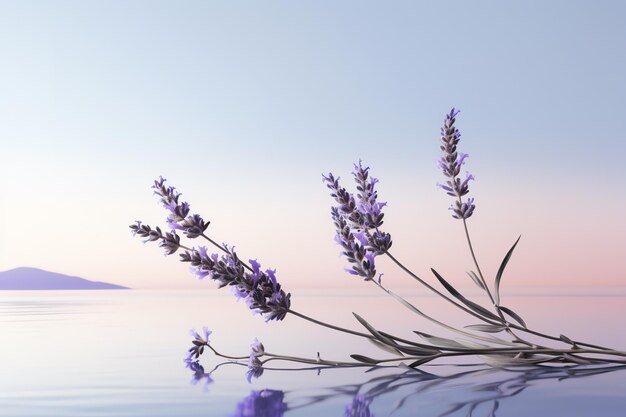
pixel 450 164
pixel 357 222
pixel 260 289
pixel 192 225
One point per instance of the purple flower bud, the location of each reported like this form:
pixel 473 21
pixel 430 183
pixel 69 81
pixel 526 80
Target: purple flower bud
pixel 380 242
pixel 257 348
pixel 199 342
pixel 170 242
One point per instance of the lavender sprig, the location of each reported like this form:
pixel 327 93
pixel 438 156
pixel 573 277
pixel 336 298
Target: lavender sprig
pixel 170 241
pixel 450 164
pixel 357 222
pixel 260 289
pixel 192 225
pixel 199 343
pixel 354 248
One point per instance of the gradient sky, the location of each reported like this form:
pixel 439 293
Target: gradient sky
pixel 242 105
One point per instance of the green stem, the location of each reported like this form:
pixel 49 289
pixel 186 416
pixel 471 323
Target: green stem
pixel 480 273
pixel 439 293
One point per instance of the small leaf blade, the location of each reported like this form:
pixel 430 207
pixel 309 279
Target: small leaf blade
pixel 487 328
pixel 364 359
pixel 472 305
pixel 386 348
pixel 476 280
pixel 501 270
pixel 513 314
pixel 373 331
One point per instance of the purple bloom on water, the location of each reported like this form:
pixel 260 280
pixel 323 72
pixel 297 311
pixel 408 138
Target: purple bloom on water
pixel 360 407
pixel 264 403
pixel 256 348
pixel 450 164
pixel 200 341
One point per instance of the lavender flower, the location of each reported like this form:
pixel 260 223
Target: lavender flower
pixel 354 248
pixel 192 225
pixel 450 164
pixel 199 343
pixel 357 222
pixel 170 241
pixel 360 407
pixel 256 348
pixel 367 206
pixel 260 289
pixel 264 403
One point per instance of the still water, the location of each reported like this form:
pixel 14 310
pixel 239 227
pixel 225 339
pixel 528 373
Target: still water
pixel 120 353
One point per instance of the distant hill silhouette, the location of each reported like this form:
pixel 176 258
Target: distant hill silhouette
pixel 38 279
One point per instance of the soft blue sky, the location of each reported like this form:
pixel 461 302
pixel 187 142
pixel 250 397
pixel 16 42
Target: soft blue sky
pixel 243 104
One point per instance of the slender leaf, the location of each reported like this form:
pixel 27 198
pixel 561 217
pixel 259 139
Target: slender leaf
pixel 471 345
pixel 476 280
pixel 567 340
pixel 501 361
pixel 501 270
pixel 488 328
pixel 472 305
pixel 364 359
pixel 439 342
pixel 373 331
pixel 577 359
pixel 422 361
pixel 385 347
pixel 513 314
pixel 411 344
pixel 416 351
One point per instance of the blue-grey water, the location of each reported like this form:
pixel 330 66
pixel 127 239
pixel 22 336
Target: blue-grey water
pixel 120 353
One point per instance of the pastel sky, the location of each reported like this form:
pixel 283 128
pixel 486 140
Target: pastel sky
pixel 242 106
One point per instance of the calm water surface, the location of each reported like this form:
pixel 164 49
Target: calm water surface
pixel 120 353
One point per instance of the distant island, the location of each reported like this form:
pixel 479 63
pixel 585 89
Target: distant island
pixel 38 279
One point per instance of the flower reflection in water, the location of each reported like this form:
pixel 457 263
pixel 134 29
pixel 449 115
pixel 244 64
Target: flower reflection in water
pixel 198 372
pixel 360 407
pixel 264 403
pixel 475 392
